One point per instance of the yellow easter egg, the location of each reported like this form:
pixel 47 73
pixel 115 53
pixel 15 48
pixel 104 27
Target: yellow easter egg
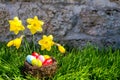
pixel 47 56
pixel 39 64
pixel 34 62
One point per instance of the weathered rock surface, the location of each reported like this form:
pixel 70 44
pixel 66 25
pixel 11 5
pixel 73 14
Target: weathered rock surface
pixel 75 22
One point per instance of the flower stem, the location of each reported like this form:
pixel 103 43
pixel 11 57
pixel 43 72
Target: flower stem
pixel 57 44
pixel 33 42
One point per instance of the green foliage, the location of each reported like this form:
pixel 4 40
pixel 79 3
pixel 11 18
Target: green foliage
pixel 89 63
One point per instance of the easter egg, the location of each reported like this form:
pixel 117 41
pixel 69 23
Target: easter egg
pixel 35 54
pixel 39 63
pixel 47 62
pixel 36 62
pixel 29 58
pixel 47 56
pixel 41 58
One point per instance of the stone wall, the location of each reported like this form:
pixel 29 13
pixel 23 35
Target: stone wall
pixel 74 22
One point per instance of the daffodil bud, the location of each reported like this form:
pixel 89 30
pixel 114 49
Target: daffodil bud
pixel 10 43
pixel 61 49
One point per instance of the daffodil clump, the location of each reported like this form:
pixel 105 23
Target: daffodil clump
pixel 34 25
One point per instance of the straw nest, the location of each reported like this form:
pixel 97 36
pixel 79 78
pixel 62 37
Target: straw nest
pixel 40 72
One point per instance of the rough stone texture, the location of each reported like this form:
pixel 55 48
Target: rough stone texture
pixel 75 22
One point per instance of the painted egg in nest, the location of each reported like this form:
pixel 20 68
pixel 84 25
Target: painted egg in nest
pixel 41 58
pixel 29 58
pixel 47 62
pixel 46 56
pixel 36 62
pixel 35 54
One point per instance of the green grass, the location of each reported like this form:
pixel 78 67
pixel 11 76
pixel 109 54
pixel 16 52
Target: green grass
pixel 88 63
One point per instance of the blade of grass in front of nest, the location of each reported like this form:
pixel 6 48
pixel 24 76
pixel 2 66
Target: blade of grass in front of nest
pixel 17 77
pixel 78 75
pixel 1 78
pixel 6 77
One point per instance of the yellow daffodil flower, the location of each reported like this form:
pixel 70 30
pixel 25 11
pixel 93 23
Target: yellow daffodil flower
pixel 34 24
pixel 46 42
pixel 16 25
pixel 16 42
pixel 61 49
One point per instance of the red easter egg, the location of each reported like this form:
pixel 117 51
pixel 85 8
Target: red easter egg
pixel 35 54
pixel 47 62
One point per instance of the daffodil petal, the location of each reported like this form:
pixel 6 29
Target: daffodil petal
pixel 42 48
pixel 29 20
pixel 16 18
pixel 17 42
pixel 41 22
pixel 33 31
pixel 40 42
pixel 16 32
pixel 44 36
pixel 40 29
pixel 10 43
pixel 29 26
pixel 49 48
pixel 22 28
pixel 36 17
pixel 50 37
